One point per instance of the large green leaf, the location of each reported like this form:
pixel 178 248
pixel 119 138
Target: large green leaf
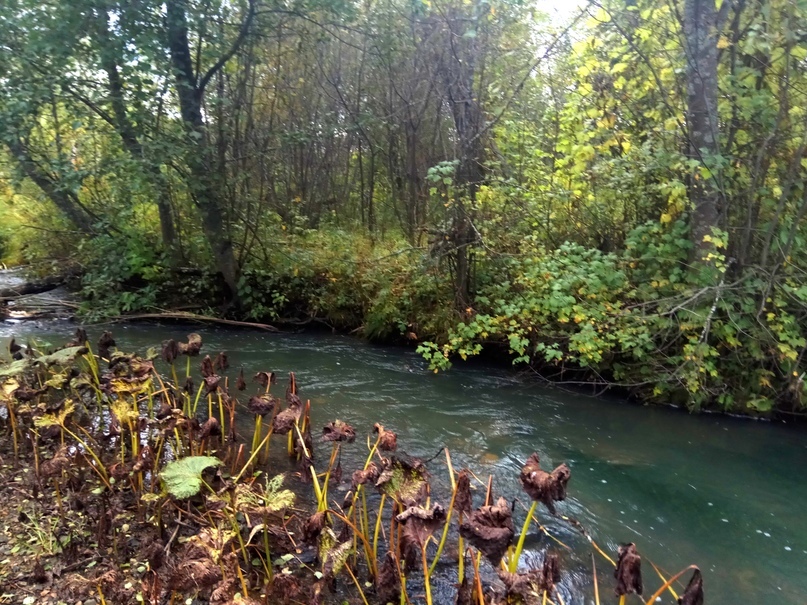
pixel 183 478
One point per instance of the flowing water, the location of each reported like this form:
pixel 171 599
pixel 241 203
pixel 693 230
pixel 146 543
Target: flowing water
pixel 724 493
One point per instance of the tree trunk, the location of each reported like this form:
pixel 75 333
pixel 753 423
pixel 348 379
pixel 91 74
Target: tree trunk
pixel 203 181
pixel 110 61
pixel 64 199
pixel 701 35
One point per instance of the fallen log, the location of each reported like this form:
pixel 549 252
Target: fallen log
pixel 34 287
pixel 185 316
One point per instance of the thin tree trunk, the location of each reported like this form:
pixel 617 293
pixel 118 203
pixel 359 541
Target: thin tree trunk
pixel 203 182
pixel 701 36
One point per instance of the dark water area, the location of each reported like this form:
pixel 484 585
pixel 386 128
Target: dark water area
pixel 723 493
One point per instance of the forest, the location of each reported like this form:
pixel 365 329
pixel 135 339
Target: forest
pixel 613 194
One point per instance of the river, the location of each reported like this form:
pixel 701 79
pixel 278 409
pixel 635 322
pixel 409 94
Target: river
pixel 723 493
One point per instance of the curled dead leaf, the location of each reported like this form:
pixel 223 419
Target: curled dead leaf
pixel 490 530
pixel 544 487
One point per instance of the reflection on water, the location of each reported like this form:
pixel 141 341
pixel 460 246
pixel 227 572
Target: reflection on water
pixel 723 493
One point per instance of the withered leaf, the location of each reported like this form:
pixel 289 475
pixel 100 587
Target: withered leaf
pixel 191 348
pixel 222 362
pixel 490 530
pixel 265 379
pixel 212 383
pixel 170 351
pixel 240 383
pixel 418 524
pixel 693 594
pixel 261 405
pixel 206 367
pixel 463 502
pixel 387 440
pixel 388 582
pixel 338 431
pixel 544 487
pixel 403 481
pixel 628 572
pixel 105 343
pixel 368 475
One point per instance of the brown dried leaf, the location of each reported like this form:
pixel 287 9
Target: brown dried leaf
pixel 387 440
pixel 693 594
pixel 490 530
pixel 338 431
pixel 628 572
pixel 544 487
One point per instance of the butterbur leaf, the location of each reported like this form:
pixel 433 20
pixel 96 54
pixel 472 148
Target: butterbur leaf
pixel 79 338
pixel 188 387
pixel 212 383
pixel 418 524
pixel 368 475
pixel 265 379
pixel 628 572
pixel 463 502
pixel 285 420
pixel 211 428
pixel 261 405
pixel 403 481
pixel 191 348
pixel 388 582
pixel 387 440
pixel 314 526
pixel 170 351
pixel 544 487
pixel 222 362
pixel 338 431
pixel 335 559
pixel 206 367
pixel 240 383
pixel 465 591
pixel 549 574
pixel 520 587
pixel 105 343
pixel 490 530
pixel 183 478
pixel 693 594
pixel 55 465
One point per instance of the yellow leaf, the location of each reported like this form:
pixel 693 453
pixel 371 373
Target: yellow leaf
pixel 723 42
pixel 666 218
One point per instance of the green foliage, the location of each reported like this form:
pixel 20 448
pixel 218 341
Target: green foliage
pixel 183 478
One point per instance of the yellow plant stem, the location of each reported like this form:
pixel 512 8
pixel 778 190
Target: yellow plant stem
pixel 621 599
pixel 513 563
pixel 596 587
pixel 668 583
pixel 378 526
pixel 426 575
pixel 443 537
pixel 252 457
pixel 334 451
pixel 663 579
pixel 13 420
pixel 256 435
pixel 100 469
pixel 196 401
pixel 356 582
pixel 221 414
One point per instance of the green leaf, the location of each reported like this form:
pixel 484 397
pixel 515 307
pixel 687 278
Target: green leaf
pixel 183 478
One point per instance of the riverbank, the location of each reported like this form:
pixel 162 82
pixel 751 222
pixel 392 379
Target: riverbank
pixel 686 489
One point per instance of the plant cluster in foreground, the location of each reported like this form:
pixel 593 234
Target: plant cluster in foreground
pixel 140 489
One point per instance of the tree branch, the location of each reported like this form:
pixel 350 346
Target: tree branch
pixel 242 34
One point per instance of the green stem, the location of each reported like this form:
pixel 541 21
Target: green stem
pixel 520 546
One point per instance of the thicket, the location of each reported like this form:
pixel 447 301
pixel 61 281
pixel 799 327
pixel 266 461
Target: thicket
pixel 617 196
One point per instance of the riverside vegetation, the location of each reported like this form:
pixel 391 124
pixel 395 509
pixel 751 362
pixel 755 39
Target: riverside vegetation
pixel 139 489
pixel 615 195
